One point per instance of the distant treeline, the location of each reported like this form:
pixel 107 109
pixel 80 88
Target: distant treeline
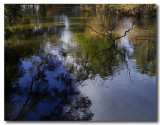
pixel 137 10
pixel 12 11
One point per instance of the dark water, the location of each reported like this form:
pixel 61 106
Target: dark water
pixel 53 70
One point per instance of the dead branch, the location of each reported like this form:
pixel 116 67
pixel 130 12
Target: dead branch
pixel 108 35
pixel 125 33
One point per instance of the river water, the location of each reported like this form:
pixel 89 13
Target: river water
pixel 55 69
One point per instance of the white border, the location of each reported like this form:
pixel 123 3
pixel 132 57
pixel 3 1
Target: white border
pixel 82 1
pixel 2 122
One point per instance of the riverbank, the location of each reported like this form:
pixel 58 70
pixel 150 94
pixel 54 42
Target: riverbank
pixel 136 10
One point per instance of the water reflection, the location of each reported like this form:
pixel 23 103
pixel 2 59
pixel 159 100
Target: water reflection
pixel 57 70
pixel 46 84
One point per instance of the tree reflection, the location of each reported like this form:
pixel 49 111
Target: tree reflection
pixel 100 57
pixel 106 58
pixel 59 90
pixel 145 55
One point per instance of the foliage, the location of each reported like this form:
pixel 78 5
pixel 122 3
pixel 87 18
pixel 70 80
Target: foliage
pixel 12 13
pixel 137 10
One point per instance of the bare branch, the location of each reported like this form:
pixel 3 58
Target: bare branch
pixel 95 30
pixel 124 33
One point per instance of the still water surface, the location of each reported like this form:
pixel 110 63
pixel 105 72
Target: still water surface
pixel 52 70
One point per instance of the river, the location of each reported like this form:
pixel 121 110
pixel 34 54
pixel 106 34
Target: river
pixel 55 69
